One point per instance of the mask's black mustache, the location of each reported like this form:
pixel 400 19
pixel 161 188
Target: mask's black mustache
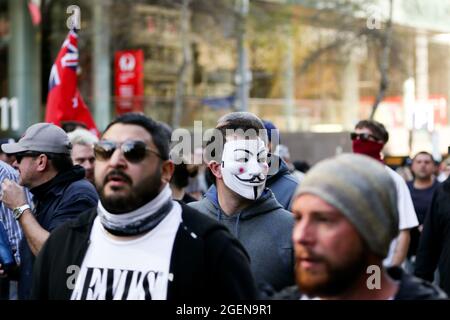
pixel 258 179
pixel 117 173
pixel 253 179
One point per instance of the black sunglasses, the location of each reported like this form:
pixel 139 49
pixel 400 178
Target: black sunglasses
pixel 134 151
pixel 362 136
pixel 21 155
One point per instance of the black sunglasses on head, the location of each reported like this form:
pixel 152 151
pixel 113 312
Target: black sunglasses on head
pixel 363 136
pixel 133 150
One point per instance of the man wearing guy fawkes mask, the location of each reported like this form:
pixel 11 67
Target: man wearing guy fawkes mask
pixel 244 167
pixel 243 203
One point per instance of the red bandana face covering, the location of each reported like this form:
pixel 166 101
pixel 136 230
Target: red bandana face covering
pixel 368 147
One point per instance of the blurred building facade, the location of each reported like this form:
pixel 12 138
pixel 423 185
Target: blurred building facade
pixel 313 66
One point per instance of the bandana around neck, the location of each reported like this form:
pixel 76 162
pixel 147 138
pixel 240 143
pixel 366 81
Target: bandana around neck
pixel 140 220
pixel 369 148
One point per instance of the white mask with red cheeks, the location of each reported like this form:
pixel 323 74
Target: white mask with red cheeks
pixel 244 167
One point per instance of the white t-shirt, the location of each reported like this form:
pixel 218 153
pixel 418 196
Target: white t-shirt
pixel 407 214
pixel 135 269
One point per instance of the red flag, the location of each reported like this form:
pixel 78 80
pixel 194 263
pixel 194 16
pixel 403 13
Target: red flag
pixel 64 102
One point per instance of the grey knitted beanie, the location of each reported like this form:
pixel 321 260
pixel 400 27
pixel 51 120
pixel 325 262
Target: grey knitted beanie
pixel 362 190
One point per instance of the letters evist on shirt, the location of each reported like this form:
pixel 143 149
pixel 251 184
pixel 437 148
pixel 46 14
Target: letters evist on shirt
pixel 113 284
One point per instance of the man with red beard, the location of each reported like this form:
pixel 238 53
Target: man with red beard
pixel 139 244
pixel 346 217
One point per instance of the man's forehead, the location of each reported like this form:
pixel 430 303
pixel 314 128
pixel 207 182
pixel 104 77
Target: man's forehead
pixel 82 150
pixel 82 146
pixel 423 157
pixel 316 203
pixel 124 131
pixel 84 157
pixel 363 130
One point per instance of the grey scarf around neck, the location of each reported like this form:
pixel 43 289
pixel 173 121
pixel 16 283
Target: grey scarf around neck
pixel 139 221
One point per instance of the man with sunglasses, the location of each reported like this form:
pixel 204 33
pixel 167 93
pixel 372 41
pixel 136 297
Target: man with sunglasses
pixel 59 191
pixel 138 243
pixel 369 138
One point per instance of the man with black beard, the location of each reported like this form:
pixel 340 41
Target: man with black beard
pixel 346 217
pixel 139 243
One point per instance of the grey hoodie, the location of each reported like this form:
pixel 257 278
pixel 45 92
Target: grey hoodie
pixel 265 230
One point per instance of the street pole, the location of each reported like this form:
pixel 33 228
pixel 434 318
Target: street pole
pixel 289 79
pixel 182 72
pixel 101 66
pixel 24 75
pixel 243 76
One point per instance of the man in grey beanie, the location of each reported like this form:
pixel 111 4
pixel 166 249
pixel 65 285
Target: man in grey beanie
pixel 346 217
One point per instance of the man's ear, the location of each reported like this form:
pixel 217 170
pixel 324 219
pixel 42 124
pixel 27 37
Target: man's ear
pixel 42 163
pixel 167 169
pixel 216 169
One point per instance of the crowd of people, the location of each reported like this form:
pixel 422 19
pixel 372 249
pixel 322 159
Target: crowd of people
pixel 124 217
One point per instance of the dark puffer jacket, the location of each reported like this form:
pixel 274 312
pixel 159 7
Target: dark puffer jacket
pixel 57 201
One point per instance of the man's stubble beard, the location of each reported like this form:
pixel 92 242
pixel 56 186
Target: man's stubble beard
pixel 142 193
pixel 335 280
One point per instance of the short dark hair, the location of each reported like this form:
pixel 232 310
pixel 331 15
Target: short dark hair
pixel 246 122
pixel 424 152
pixel 301 166
pixel 180 177
pixel 69 126
pixel 159 133
pixel 61 162
pixel 377 128
pixel 239 120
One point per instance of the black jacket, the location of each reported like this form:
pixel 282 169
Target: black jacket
pixel 411 288
pixel 434 245
pixel 210 267
pixel 57 201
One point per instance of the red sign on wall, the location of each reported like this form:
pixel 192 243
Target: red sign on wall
pixel 129 81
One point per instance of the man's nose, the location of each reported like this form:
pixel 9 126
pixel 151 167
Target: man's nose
pixel 88 164
pixel 254 168
pixel 303 233
pixel 117 159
